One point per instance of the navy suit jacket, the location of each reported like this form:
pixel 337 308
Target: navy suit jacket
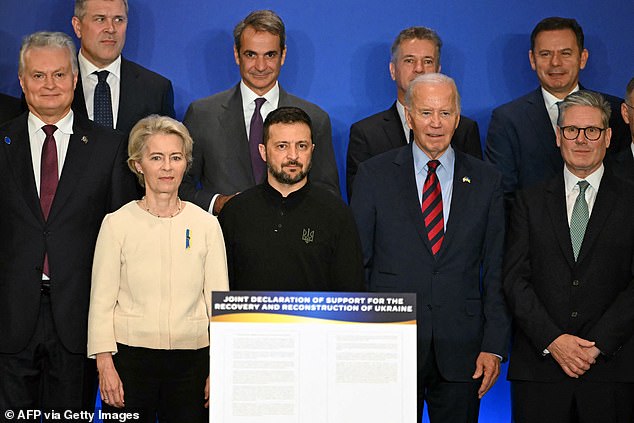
pixel 141 93
pixel 222 163
pixel 10 107
pixel 459 292
pixel 521 141
pixel 622 163
pixel 550 294
pixel 94 181
pixel 383 131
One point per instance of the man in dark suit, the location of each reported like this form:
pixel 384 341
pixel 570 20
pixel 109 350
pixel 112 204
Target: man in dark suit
pixel 226 161
pixel 61 174
pixel 431 221
pixel 416 50
pixel 10 107
pixel 569 281
pixel 521 135
pixel 133 92
pixel 623 161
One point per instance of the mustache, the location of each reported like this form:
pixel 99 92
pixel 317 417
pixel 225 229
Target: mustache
pixel 292 163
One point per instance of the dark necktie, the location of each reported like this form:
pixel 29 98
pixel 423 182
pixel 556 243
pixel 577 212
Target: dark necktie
pixel 48 177
pixel 256 132
pixel 102 101
pixel 432 207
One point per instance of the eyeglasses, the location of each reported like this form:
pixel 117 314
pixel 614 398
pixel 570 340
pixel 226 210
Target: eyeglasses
pixel 592 133
pixel 628 105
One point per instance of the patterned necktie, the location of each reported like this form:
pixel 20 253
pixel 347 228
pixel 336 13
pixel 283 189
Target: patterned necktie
pixel 579 218
pixel 432 207
pixel 256 132
pixel 102 101
pixel 48 177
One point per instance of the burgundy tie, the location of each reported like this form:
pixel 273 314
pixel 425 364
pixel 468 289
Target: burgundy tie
pixel 48 176
pixel 432 207
pixel 256 131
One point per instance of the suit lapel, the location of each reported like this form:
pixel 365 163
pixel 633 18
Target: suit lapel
pixel 79 101
pixel 393 128
pixel 127 95
pixel 232 122
pixel 603 206
pixel 408 191
pixel 19 160
pixel 460 196
pixel 556 206
pixel 545 134
pixel 77 159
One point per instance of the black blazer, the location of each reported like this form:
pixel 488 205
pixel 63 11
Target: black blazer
pixel 383 131
pixel 462 309
pixel 142 93
pixel 94 181
pixel 550 294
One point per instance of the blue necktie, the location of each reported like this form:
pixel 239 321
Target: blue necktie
pixel 102 101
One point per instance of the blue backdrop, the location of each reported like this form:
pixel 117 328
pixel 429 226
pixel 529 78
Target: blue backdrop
pixel 338 55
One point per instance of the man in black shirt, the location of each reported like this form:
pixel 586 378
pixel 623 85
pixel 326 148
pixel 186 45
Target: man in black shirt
pixel 287 234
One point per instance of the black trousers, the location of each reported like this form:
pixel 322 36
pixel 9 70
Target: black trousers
pixel 572 401
pixel 168 384
pixel 447 402
pixel 45 375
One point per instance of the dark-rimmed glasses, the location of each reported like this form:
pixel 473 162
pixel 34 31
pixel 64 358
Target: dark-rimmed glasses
pixel 571 132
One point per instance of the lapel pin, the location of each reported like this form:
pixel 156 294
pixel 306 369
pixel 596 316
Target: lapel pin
pixel 84 139
pixel 466 179
pixel 7 140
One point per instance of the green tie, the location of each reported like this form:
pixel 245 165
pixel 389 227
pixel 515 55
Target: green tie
pixel 579 218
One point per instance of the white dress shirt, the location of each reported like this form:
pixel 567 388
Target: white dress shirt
pixel 89 82
pixel 37 137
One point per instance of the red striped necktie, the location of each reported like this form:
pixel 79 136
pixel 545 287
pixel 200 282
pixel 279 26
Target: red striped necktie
pixel 432 207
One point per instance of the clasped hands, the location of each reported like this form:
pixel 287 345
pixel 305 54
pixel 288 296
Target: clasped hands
pixel 575 355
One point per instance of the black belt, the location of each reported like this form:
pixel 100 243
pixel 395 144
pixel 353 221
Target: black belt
pixel 45 287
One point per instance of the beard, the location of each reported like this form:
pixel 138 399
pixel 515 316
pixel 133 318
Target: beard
pixel 284 178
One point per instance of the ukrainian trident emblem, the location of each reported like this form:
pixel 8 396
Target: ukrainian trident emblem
pixel 308 235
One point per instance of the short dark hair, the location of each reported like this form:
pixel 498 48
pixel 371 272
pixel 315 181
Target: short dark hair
pixel 555 23
pixel 287 115
pixel 415 33
pixel 261 20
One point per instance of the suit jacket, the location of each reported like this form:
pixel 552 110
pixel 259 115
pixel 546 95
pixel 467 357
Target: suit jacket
pixel 222 163
pixel 550 294
pixel 142 93
pixel 383 131
pixel 465 312
pixel 10 107
pixel 94 181
pixel 622 163
pixel 521 141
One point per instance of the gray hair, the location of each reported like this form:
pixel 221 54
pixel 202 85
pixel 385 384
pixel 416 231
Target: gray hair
pixel 80 8
pixel 48 39
pixel 415 33
pixel 432 79
pixel 261 20
pixel 586 98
